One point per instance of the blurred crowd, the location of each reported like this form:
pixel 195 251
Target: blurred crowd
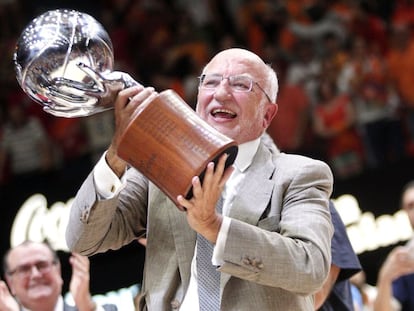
pixel 345 68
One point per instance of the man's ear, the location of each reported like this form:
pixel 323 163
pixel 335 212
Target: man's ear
pixel 271 111
pixel 9 284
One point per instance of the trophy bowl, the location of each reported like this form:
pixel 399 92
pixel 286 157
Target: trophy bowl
pixel 54 48
pixel 64 61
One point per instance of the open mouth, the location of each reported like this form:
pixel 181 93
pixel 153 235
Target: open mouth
pixel 223 113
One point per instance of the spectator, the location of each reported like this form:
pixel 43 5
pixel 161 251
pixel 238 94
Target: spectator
pixel 400 60
pixel 320 21
pixel 291 128
pixel 33 275
pixel 395 282
pixel 305 68
pixel 336 294
pixel 334 124
pixel 365 78
pixel 26 146
pixel 367 292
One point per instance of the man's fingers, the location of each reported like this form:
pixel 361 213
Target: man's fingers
pixel 79 263
pixel 221 165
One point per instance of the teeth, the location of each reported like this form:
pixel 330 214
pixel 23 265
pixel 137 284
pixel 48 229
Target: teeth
pixel 223 111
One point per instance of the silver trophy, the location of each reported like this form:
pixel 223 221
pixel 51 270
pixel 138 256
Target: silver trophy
pixel 64 60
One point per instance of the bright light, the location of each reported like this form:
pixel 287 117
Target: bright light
pixel 35 221
pixel 367 233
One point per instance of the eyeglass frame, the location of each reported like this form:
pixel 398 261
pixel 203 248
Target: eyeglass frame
pixel 23 271
pixel 202 77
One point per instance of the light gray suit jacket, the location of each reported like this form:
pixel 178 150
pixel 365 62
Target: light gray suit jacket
pixel 277 253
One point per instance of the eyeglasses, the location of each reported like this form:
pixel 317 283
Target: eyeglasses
pixel 238 83
pixel 24 271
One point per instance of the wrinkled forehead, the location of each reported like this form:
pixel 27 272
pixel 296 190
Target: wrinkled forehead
pixel 236 61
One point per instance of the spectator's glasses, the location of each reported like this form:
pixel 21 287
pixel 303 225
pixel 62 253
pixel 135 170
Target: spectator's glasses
pixel 24 271
pixel 238 83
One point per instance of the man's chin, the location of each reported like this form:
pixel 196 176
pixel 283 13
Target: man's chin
pixel 40 292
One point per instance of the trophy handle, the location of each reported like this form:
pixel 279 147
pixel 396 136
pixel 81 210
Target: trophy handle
pixel 97 93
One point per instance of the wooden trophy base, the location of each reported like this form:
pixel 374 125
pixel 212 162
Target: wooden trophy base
pixel 170 144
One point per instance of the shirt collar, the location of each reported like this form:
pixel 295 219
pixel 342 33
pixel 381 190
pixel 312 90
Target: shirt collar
pixel 246 153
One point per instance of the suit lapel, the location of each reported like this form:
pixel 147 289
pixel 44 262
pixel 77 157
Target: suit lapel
pixel 255 190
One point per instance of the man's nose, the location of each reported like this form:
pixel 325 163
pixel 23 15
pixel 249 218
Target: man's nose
pixel 223 90
pixel 34 271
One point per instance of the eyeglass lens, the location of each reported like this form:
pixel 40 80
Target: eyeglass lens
pixel 236 83
pixel 42 266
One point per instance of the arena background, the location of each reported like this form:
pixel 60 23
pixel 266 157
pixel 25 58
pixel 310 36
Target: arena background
pixel 376 191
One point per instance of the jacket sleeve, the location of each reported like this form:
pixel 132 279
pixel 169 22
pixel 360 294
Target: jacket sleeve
pixel 97 225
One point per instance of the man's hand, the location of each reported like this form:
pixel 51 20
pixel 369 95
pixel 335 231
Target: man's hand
pixel 79 283
pixel 126 106
pixel 7 301
pixel 201 208
pixel 399 262
pixel 325 291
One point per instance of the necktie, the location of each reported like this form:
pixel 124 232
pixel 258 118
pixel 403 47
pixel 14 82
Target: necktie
pixel 208 276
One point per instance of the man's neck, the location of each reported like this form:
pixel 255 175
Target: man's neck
pixel 46 306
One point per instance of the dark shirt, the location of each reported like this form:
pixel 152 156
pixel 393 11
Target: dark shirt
pixel 403 289
pixel 344 257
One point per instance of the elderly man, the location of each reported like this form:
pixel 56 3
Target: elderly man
pixel 265 220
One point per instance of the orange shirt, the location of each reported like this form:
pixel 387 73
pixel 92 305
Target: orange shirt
pixel 401 69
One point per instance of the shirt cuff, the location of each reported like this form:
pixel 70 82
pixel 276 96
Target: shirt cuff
pixel 106 181
pixel 218 252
